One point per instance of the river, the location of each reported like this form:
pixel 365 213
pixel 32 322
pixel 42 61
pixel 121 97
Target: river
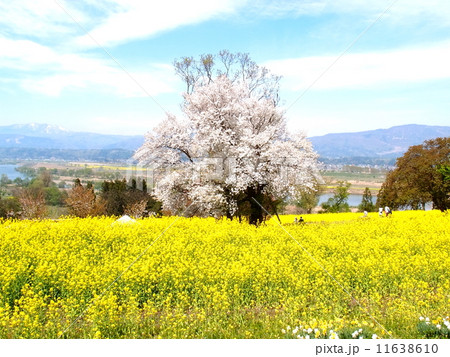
pixel 353 200
pixel 10 171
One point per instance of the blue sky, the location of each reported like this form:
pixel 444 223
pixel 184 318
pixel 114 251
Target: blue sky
pixel 55 64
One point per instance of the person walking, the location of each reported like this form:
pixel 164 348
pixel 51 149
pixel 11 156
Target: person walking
pixel 380 211
pixel 388 211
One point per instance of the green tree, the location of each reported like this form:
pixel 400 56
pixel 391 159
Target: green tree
pixel 113 193
pixel 29 172
pixel 9 207
pixel 309 198
pixel 121 198
pixel 44 182
pixel 4 181
pixel 45 177
pixel 338 203
pixel 445 171
pixel 20 182
pixel 420 176
pixel 54 196
pixel 366 202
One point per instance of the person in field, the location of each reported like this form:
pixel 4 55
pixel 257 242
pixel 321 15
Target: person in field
pixel 380 211
pixel 388 211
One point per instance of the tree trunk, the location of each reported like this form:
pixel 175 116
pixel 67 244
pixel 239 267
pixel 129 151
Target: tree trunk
pixel 255 198
pixel 274 208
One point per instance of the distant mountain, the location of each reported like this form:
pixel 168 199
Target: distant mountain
pixel 33 129
pixel 381 143
pixel 45 136
pixel 43 141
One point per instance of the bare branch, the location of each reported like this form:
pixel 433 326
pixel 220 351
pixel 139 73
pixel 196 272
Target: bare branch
pixel 237 67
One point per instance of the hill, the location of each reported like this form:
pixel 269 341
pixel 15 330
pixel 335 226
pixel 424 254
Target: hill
pixel 50 142
pixel 45 136
pixel 380 144
pixel 43 141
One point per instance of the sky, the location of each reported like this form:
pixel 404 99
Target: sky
pixel 107 65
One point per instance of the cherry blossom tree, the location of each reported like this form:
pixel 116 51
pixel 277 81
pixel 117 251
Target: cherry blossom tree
pixel 230 155
pixel 237 67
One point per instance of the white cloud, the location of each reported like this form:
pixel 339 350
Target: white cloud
pixel 112 22
pixel 24 54
pixel 282 8
pixel 109 22
pixel 401 10
pixel 409 11
pixel 141 19
pixel 364 70
pixel 42 19
pixel 41 69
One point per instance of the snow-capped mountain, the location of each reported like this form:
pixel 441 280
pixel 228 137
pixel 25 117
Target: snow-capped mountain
pixel 46 136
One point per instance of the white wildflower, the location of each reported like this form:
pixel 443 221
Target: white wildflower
pixel 334 335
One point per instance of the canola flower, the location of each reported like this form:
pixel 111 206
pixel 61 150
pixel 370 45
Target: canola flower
pixel 207 278
pixel 436 328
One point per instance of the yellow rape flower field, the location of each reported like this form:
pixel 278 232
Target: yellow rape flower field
pixel 204 278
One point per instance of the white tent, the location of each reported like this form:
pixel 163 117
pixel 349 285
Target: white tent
pixel 125 219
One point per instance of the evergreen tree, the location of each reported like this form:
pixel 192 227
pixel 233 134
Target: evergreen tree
pixel 366 203
pixel 121 199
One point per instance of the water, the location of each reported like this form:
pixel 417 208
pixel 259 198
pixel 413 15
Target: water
pixel 10 171
pixel 353 200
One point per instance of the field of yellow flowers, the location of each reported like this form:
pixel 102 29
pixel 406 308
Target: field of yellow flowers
pixel 336 276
